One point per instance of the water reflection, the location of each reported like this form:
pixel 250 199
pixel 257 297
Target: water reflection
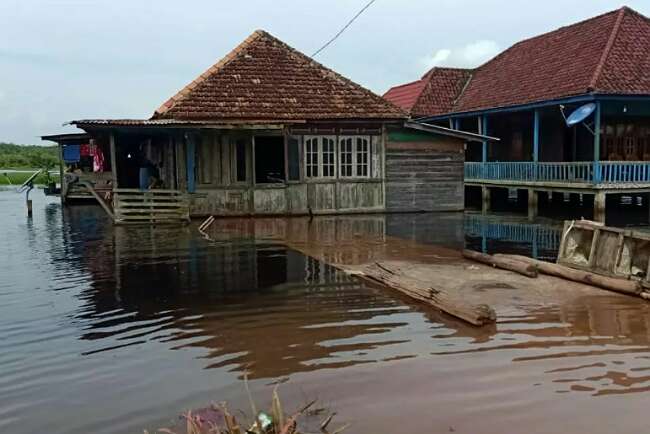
pixel 507 234
pixel 115 329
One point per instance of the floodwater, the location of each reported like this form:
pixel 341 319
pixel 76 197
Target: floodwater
pixel 116 330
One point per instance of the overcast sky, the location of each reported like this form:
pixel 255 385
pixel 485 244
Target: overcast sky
pixel 69 59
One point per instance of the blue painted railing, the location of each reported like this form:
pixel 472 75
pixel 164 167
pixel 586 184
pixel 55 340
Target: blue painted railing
pixel 603 172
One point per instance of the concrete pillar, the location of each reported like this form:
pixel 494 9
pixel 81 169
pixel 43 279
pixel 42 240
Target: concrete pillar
pixel 599 206
pixel 485 195
pixel 532 204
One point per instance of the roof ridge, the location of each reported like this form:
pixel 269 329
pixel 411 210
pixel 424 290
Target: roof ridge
pixel 292 51
pixel 314 62
pixel 541 35
pixel 167 105
pixel 462 91
pixel 397 86
pixel 607 49
pixel 446 68
pixel 429 78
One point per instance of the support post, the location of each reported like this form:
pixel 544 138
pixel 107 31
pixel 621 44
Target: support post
pixel 597 115
pixel 485 195
pixel 113 152
pixel 536 136
pixel 536 142
pixel 64 191
pixel 483 128
pixel 599 206
pixel 532 204
pixel 457 124
pixel 190 162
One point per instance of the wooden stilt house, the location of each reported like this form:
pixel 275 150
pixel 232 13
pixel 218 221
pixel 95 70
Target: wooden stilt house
pixel 267 130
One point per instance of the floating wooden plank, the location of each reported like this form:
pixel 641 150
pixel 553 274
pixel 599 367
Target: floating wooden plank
pixel 394 274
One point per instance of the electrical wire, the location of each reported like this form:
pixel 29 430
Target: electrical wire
pixel 344 28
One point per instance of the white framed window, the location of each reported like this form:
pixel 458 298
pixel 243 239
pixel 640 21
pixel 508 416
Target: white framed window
pixel 354 156
pixel 311 157
pixel 320 157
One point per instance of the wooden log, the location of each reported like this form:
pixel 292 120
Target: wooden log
pixel 392 276
pixel 520 267
pixel 631 287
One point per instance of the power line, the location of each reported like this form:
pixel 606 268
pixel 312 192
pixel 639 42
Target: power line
pixel 344 27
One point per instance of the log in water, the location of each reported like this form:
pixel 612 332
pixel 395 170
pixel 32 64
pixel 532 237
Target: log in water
pixel 625 286
pixel 505 263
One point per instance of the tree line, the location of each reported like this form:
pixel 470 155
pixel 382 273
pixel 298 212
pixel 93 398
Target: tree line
pixel 14 156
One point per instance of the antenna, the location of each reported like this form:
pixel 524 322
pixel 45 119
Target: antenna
pixel 580 115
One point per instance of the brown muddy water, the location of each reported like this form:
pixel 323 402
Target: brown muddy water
pixel 114 330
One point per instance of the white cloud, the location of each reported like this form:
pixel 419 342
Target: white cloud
pixel 468 56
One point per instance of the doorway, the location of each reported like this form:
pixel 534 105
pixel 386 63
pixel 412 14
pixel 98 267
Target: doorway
pixel 269 160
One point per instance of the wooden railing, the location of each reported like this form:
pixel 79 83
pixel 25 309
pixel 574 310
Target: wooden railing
pixel 607 172
pixel 150 206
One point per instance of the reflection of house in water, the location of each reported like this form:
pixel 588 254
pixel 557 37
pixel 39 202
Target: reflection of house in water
pixel 490 234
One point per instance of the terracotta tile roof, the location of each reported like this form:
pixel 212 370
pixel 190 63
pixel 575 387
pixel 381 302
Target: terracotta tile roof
pixel 608 54
pixel 263 78
pixel 435 93
pixel 405 95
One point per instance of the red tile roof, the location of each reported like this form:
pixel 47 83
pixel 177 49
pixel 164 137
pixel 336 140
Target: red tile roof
pixel 607 54
pixel 263 78
pixel 433 94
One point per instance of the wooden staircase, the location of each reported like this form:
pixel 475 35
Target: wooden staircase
pixel 134 206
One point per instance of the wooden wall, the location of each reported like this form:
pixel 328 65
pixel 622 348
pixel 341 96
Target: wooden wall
pixel 219 193
pixel 423 172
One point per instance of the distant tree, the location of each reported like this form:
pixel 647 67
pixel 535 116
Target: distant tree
pixel 14 156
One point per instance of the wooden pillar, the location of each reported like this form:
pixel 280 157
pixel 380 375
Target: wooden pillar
pixel 597 115
pixel 61 176
pixel 536 136
pixel 485 195
pixel 532 204
pixel 483 129
pixel 190 151
pixel 599 206
pixel 113 151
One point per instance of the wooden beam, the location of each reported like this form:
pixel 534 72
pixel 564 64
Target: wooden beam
pixel 597 115
pixel 111 139
pixel 191 162
pixel 536 136
pixel 483 128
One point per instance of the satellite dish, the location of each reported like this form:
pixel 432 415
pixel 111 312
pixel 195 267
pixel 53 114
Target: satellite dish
pixel 580 114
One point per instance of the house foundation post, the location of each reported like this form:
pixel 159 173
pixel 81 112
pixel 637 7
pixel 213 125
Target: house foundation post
pixel 533 200
pixel 486 196
pixel 599 206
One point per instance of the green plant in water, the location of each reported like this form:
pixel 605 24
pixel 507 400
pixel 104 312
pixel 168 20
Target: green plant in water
pixel 275 422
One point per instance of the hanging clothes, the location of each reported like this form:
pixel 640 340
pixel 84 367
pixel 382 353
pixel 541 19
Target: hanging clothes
pixel 98 159
pixel 71 153
pixel 85 150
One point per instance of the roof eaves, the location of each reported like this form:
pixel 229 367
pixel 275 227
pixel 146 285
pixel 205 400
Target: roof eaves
pixel 430 128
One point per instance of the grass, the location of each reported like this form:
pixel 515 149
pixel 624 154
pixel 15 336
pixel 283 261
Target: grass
pixel 17 178
pixel 275 421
